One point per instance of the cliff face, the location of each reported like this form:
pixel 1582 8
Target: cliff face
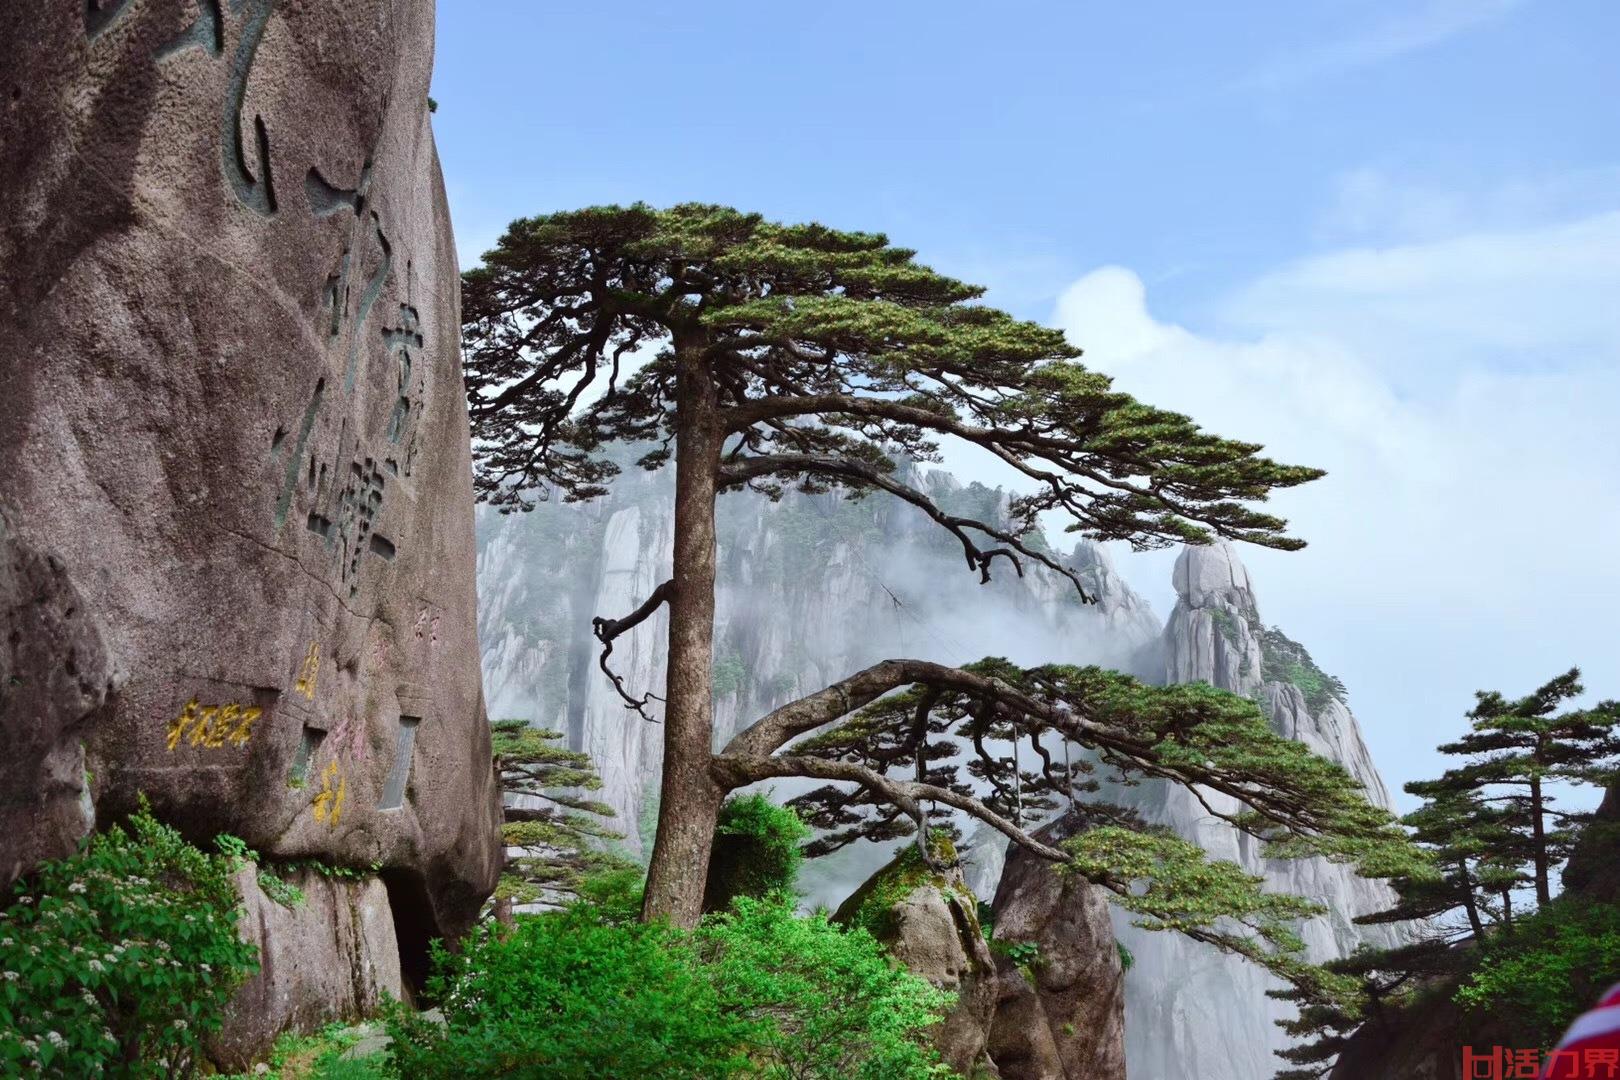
pixel 1192 1011
pixel 234 452
pixel 813 588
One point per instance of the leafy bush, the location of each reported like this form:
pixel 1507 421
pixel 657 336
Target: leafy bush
pixel 756 851
pixel 117 960
pixel 755 992
pixel 563 996
pixel 827 1002
pixel 1547 970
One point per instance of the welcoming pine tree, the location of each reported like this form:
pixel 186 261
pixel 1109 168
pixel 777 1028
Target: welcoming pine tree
pixel 760 355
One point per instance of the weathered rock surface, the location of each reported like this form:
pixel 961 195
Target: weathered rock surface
pixel 330 956
pixel 928 921
pixel 1192 1010
pixel 1593 869
pixel 233 414
pixel 1414 1044
pixel 56 679
pixel 1062 1017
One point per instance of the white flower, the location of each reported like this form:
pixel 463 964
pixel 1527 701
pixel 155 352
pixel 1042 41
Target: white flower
pixel 55 1038
pixel 6 943
pixel 179 1025
pixel 10 976
pixel 96 965
pixel 206 969
pixel 30 1045
pixel 76 887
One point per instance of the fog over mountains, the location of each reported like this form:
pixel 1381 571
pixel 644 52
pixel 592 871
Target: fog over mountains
pixel 815 587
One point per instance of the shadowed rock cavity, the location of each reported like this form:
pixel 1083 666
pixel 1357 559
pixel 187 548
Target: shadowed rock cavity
pixel 234 450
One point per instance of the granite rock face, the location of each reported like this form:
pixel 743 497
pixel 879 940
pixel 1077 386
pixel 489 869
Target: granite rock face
pixel 927 920
pixel 233 415
pixel 1192 1010
pixel 1063 1017
pixel 56 681
pixel 331 956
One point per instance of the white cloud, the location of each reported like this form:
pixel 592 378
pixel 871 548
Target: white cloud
pixel 1465 535
pixel 1533 298
pixel 1415 27
pixel 1374 204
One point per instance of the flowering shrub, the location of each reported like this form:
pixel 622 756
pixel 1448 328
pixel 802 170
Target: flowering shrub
pixel 116 961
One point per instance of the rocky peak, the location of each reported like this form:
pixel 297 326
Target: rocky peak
pixel 1213 634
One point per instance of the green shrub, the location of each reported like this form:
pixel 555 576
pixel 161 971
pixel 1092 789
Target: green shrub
pixel 755 992
pixel 564 996
pixel 117 960
pixel 1549 969
pixel 756 851
pixel 830 1005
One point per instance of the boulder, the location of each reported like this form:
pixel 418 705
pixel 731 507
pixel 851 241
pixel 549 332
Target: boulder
pixel 1060 1013
pixel 927 918
pixel 1593 869
pixel 327 951
pixel 56 680
pixel 233 414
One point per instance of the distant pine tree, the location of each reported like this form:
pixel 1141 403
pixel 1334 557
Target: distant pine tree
pixel 555 837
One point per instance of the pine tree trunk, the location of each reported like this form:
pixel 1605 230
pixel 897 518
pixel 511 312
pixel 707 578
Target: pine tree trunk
pixel 690 800
pixel 1469 903
pixel 1539 830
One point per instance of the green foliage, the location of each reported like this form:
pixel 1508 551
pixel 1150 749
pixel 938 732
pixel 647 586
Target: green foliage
pixel 552 848
pixel 1025 955
pixel 565 996
pixel 1180 888
pixel 1283 659
pixel 728 675
pixel 871 907
pixel 882 355
pixel 827 1003
pixel 755 992
pixel 117 960
pixel 1548 970
pixel 278 889
pixel 1126 958
pixel 756 851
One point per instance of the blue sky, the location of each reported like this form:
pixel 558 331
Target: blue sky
pixel 1381 237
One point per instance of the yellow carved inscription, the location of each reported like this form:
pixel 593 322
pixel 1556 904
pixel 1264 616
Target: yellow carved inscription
pixel 329 800
pixel 212 726
pixel 307 671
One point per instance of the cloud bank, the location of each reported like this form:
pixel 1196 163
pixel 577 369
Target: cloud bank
pixel 1463 395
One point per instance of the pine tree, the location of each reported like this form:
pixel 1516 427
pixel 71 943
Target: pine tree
pixel 555 836
pixel 757 356
pixel 1519 747
pixel 1480 850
